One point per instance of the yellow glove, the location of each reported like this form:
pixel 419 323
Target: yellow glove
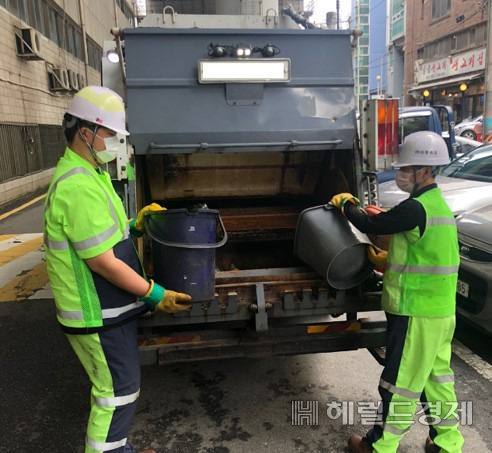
pixel 342 198
pixel 170 302
pixel 377 256
pixel 137 224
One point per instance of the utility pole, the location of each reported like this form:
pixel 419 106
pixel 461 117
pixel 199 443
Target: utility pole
pixel 487 114
pixel 338 14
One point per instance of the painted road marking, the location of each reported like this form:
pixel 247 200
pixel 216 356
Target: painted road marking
pixel 22 266
pixel 25 284
pixel 20 208
pixel 8 241
pixel 19 250
pixel 44 293
pixel 476 362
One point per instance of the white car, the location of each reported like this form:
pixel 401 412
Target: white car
pixel 474 291
pixel 466 183
pixel 464 145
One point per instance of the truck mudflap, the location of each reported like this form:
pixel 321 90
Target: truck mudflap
pixel 278 341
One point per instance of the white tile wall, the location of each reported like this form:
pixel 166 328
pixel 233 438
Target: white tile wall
pixel 34 104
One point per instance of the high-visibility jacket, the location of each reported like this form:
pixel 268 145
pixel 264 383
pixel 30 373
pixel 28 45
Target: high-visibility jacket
pixel 83 218
pixel 422 272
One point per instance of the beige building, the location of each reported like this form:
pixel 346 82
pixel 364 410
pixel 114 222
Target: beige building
pixel 48 50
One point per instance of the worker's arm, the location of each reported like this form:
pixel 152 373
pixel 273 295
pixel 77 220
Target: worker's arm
pixel 118 273
pixel 403 217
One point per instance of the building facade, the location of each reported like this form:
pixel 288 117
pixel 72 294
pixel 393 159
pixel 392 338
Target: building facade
pixel 396 43
pixel 244 7
pixel 50 49
pixel 360 21
pixel 445 54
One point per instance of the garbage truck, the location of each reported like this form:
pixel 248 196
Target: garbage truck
pixel 250 119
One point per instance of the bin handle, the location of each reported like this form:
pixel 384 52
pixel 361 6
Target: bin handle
pixel 188 245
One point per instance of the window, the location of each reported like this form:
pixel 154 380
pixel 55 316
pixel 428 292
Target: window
pixel 440 8
pixel 78 44
pixel 46 19
pixel 69 39
pixel 14 7
pixel 94 54
pixel 2 3
pixel 54 31
pixel 22 10
pixel 38 16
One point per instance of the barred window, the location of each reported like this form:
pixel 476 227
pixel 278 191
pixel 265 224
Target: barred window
pixel 440 8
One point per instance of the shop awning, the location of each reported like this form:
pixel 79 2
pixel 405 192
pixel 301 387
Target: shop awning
pixel 451 81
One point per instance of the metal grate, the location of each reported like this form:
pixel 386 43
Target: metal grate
pixel 20 150
pixel 26 149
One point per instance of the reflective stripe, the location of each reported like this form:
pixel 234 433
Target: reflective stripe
pixel 96 240
pixel 441 221
pixel 87 243
pixel 442 379
pixel 115 312
pixel 73 171
pixel 117 400
pixel 433 270
pixel 69 314
pixel 126 234
pixel 55 245
pixel 399 391
pixel 394 430
pixel 50 243
pixel 105 446
pixel 447 422
pixel 106 313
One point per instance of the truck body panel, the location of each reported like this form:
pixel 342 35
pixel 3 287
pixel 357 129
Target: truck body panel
pixel 260 153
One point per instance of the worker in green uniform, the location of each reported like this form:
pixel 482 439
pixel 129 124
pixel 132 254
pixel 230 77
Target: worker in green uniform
pixel 97 280
pixel 419 298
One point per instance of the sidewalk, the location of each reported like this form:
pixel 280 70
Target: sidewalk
pixel 16 191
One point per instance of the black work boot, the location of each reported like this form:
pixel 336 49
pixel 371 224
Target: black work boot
pixel 358 444
pixel 430 446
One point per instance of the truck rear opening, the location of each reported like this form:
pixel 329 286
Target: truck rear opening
pixel 260 151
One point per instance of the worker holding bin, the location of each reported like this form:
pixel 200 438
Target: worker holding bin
pixel 419 298
pixel 98 283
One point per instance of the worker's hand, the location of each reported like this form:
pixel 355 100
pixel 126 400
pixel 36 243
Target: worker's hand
pixel 165 299
pixel 377 256
pixel 342 198
pixel 170 303
pixel 137 227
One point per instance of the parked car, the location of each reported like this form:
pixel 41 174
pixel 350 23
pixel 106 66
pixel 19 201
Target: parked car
pixel 466 183
pixel 470 128
pixel 474 290
pixel 464 145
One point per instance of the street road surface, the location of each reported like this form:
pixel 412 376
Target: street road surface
pixel 240 405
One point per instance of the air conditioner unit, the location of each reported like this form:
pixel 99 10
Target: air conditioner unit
pixel 58 79
pixel 73 80
pixel 28 43
pixel 82 82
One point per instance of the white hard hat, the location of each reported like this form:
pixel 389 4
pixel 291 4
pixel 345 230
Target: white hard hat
pixel 423 148
pixel 101 106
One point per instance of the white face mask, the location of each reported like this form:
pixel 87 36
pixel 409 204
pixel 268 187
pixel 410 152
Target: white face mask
pixel 403 181
pixel 112 146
